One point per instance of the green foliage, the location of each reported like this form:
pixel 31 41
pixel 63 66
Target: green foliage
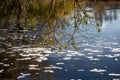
pixel 98 24
pixel 66 45
pixel 85 22
pixel 60 34
pixel 50 15
pixel 99 30
pixel 76 48
pixel 60 47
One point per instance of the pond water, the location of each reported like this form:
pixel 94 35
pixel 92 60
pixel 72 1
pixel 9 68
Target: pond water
pixel 23 58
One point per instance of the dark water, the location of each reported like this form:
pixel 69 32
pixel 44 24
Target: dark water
pixel 98 58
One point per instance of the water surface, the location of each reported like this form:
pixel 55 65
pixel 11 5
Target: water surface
pixel 23 56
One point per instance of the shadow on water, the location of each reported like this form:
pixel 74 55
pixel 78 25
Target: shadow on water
pixel 33 31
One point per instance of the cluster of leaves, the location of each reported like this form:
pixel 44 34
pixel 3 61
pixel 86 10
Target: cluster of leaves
pixel 50 17
pixel 81 18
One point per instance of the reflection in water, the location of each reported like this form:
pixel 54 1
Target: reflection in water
pixel 33 21
pixel 17 66
pixel 27 25
pixel 107 11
